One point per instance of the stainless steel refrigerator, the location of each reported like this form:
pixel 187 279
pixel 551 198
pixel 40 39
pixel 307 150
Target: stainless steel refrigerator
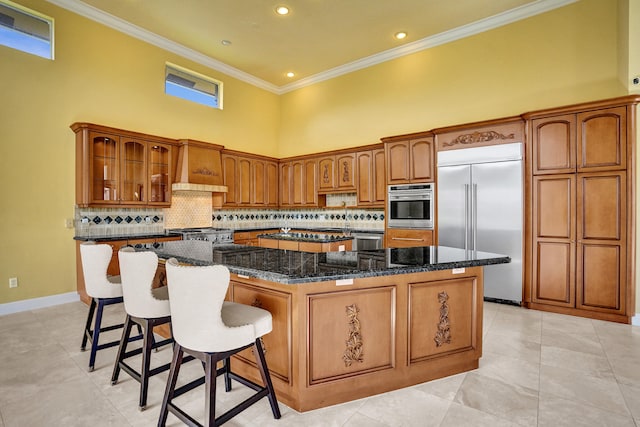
pixel 480 208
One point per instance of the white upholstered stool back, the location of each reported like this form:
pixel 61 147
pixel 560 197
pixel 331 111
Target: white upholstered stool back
pixel 95 261
pixel 137 270
pixel 201 320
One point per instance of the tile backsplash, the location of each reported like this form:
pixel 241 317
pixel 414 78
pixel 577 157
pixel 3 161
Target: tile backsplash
pixel 193 209
pixel 118 221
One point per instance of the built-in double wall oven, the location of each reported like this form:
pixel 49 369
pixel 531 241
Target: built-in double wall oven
pixel 411 206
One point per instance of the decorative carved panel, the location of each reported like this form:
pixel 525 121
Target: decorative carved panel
pixel 477 137
pixel 443 335
pixel 353 352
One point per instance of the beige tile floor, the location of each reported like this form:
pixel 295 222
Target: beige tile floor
pixel 537 369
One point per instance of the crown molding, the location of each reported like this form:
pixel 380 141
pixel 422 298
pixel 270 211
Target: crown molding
pixel 486 24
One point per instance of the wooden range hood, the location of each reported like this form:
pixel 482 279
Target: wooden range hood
pixel 199 167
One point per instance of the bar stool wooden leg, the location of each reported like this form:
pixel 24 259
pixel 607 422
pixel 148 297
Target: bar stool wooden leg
pixel 266 378
pixel 96 335
pixel 176 361
pixel 87 327
pixel 122 350
pixel 210 390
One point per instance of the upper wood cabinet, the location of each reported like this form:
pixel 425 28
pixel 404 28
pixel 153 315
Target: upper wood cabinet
pixel 264 178
pixel 250 181
pixel 336 173
pixel 115 167
pixel 410 159
pixel 371 177
pixel 586 141
pixel 298 183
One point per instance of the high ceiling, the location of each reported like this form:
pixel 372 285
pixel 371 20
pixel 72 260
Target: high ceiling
pixel 316 37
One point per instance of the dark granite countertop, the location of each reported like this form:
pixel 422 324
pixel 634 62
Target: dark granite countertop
pixel 107 237
pixel 293 267
pixel 313 236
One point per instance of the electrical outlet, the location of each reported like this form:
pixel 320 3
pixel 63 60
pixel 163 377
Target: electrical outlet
pixel 68 222
pixel 13 282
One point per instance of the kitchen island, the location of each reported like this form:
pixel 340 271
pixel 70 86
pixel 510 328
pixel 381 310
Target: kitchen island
pixel 306 241
pixel 347 325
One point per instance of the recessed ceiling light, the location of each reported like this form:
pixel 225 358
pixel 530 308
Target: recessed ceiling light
pixel 290 74
pixel 400 35
pixel 282 10
pixel 225 42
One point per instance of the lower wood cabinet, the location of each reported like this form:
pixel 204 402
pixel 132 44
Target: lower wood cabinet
pixel 407 237
pixel 341 326
pixel 452 328
pixel 277 343
pixel 580 243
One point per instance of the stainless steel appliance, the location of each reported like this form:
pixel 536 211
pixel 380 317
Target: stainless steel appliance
pixel 219 236
pixel 480 208
pixel 367 241
pixel 410 206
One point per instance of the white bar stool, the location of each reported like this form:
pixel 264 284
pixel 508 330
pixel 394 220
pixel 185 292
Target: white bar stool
pixel 146 307
pixel 211 330
pixel 103 290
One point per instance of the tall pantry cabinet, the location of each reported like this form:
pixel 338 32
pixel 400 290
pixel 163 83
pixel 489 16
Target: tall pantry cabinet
pixel 581 160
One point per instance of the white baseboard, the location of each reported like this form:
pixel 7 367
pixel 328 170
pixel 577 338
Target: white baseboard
pixel 35 303
pixel 635 320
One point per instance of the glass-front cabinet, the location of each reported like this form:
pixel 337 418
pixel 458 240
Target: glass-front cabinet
pixel 133 174
pixel 104 172
pixel 117 168
pixel 160 182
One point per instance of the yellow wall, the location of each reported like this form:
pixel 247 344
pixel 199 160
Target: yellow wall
pixel 565 56
pixel 562 57
pixel 101 76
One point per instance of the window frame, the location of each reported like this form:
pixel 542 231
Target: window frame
pixel 34 14
pixel 197 76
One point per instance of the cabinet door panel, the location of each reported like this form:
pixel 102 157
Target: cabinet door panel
pixel 353 333
pixel 422 161
pixel 601 272
pixel 397 162
pixel 229 166
pixel 379 175
pixel 272 183
pixel 448 330
pixel 554 273
pixel 326 178
pixel 365 182
pixel 243 177
pixel 297 182
pixel 277 343
pixel 554 234
pixel 554 207
pixel 601 198
pixel 602 139
pixel 160 178
pixel 310 183
pixel 134 172
pixel 345 168
pixel 258 183
pixel 554 148
pixel 104 172
pixel 285 184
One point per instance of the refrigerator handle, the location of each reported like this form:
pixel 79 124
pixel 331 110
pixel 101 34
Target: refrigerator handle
pixel 466 217
pixel 474 215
